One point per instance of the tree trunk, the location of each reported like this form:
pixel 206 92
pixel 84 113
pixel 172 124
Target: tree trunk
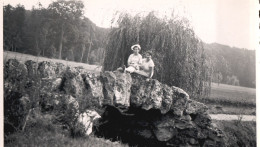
pixel 60 41
pixel 83 51
pixel 72 54
pixel 37 48
pixel 89 49
pixel 44 46
pixel 12 48
pixel 103 60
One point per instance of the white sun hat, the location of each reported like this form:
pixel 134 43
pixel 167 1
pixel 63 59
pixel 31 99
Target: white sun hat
pixel 136 45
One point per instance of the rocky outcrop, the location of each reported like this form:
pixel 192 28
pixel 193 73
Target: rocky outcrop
pixel 158 115
pixel 87 118
pixel 132 109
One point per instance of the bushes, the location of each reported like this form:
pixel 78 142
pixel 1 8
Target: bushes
pixel 232 80
pixel 238 133
pixel 15 111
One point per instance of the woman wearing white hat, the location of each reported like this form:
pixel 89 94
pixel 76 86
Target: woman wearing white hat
pixel 135 59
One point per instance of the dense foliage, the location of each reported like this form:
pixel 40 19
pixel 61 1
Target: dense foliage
pixel 59 31
pixel 177 52
pixel 232 66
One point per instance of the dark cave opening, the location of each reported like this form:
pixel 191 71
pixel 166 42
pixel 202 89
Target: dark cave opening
pixel 132 126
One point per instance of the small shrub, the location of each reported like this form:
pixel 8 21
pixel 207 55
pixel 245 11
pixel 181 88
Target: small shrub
pixel 16 108
pixel 232 80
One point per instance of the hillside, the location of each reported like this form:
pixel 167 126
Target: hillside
pixel 231 65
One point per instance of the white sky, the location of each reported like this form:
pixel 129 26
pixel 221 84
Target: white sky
pixel 229 22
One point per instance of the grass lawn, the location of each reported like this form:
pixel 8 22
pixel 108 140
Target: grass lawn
pixel 24 57
pixel 231 99
pixel 235 94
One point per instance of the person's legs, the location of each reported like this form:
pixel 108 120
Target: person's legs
pixel 130 69
pixel 120 69
pixel 141 72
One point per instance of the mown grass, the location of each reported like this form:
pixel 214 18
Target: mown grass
pixel 233 94
pixel 24 57
pixel 238 133
pixel 231 99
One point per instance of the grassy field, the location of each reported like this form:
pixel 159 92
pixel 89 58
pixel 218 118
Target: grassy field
pixel 231 99
pixel 24 57
pixel 234 94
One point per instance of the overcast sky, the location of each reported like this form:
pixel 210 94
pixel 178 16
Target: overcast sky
pixel 229 22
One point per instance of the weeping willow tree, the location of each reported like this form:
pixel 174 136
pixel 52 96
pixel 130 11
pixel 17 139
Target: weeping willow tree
pixel 178 54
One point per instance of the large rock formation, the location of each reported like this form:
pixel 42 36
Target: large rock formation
pixel 158 115
pixel 132 109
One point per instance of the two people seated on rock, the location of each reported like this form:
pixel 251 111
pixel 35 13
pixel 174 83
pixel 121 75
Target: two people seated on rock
pixel 139 65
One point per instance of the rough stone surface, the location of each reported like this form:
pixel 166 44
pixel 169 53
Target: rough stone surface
pixel 136 111
pixel 15 75
pixel 165 128
pixel 87 118
pixel 73 83
pixel 31 68
pixel 47 69
pixel 116 88
pixel 194 107
pixel 155 95
pixel 94 87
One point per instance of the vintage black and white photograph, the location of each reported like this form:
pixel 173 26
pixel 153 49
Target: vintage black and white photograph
pixel 123 73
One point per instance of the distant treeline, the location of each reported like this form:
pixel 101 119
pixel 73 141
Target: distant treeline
pixel 59 31
pixel 232 66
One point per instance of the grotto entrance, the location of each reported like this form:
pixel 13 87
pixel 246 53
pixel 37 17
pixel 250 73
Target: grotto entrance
pixel 129 125
pixel 139 127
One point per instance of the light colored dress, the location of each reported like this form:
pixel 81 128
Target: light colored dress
pixel 146 67
pixel 134 61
